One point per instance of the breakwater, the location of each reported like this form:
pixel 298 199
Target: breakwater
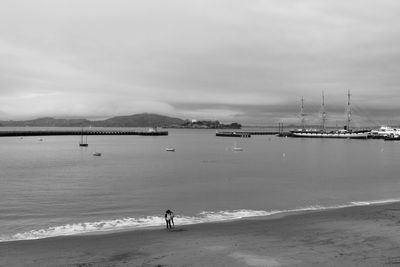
pixel 246 134
pixel 263 133
pixel 80 132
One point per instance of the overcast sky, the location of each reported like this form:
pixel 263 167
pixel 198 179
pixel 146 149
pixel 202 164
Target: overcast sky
pixel 248 61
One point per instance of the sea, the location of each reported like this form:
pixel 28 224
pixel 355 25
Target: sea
pixel 49 186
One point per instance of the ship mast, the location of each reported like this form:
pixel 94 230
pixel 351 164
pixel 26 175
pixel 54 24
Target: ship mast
pixel 348 111
pixel 302 114
pixel 323 114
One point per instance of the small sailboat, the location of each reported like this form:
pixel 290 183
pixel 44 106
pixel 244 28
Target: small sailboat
pixel 83 143
pixel 236 148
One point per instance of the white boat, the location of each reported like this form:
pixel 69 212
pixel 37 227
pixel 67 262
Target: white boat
pixel 170 149
pixel 385 131
pixel 345 133
pixel 236 148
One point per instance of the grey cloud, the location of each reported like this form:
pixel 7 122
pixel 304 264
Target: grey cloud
pixel 225 59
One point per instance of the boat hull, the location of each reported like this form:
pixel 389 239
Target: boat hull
pixel 392 138
pixel 361 135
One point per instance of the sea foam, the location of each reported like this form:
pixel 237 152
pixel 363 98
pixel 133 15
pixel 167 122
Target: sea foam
pixel 130 223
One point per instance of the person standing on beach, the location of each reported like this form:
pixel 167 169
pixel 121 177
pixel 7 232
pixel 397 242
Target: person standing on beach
pixel 172 218
pixel 168 219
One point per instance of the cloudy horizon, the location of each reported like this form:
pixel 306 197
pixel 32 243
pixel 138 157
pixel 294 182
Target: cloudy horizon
pixel 230 60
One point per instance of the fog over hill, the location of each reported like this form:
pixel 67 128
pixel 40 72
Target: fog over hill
pixel 137 120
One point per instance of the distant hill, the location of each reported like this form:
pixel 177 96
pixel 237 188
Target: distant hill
pixel 137 120
pixel 47 122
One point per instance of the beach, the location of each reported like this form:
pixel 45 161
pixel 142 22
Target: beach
pixel 356 236
pixel 268 129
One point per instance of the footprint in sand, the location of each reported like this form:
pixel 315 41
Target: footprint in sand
pixel 255 260
pixel 216 248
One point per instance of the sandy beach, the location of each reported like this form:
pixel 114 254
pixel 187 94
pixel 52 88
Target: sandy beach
pixel 356 236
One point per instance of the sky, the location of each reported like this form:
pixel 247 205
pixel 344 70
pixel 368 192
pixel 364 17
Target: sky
pixel 235 61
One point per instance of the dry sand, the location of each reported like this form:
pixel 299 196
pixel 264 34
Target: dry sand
pixel 357 236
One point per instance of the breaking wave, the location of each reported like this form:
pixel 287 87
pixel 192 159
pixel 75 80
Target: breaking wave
pixel 158 221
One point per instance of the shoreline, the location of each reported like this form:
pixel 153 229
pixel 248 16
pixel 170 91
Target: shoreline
pixel 267 215
pixel 359 235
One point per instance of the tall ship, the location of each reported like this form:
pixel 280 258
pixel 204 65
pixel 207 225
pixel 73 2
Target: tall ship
pixel 345 133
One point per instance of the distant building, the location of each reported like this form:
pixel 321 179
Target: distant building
pixel 209 125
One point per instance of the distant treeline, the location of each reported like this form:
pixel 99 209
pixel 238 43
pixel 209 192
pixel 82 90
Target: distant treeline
pixel 205 124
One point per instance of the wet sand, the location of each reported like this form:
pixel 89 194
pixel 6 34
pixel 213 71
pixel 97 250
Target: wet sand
pixel 357 236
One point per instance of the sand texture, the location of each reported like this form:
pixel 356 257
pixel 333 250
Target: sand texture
pixel 357 236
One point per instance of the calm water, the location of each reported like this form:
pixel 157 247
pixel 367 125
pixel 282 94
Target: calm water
pixel 54 187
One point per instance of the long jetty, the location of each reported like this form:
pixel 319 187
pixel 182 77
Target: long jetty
pixel 245 133
pixel 263 133
pixel 233 134
pixel 79 132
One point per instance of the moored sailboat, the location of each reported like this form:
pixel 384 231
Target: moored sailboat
pixel 237 148
pixel 83 143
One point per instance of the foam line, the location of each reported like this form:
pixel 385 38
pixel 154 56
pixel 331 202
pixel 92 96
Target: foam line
pixel 130 223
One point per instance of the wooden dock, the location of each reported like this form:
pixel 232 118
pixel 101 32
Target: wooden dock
pixel 245 134
pixel 233 134
pixel 264 133
pixel 79 132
